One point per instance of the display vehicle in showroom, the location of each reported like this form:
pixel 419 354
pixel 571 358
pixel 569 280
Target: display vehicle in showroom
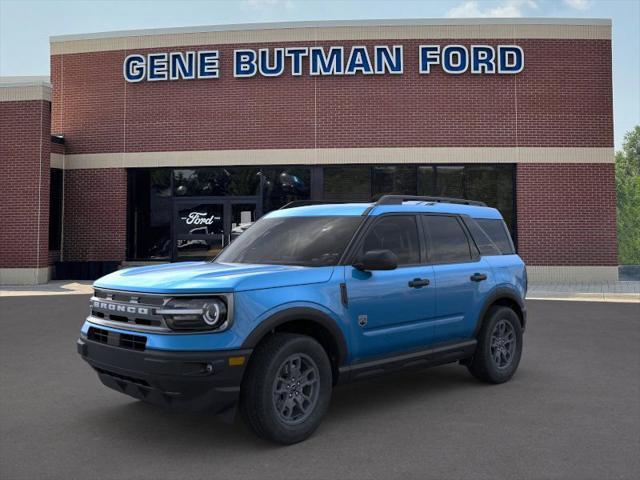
pixel 309 297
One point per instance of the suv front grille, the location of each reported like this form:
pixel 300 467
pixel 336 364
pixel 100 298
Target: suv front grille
pixel 131 309
pixel 122 340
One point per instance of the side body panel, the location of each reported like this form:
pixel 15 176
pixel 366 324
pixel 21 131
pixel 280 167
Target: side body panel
pixel 460 299
pixel 397 316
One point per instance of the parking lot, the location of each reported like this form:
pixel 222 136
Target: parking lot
pixel 572 411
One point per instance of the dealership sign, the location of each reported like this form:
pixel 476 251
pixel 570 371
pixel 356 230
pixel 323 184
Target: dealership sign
pixel 325 61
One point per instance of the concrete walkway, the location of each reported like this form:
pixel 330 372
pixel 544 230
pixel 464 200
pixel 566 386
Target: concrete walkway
pixel 586 292
pixel 626 292
pixel 56 287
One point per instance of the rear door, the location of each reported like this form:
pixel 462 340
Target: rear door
pixel 390 311
pixel 462 277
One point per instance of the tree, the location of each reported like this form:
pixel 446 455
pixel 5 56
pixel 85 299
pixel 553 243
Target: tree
pixel 628 198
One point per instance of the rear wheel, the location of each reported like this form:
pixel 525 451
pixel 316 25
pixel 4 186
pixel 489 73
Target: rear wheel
pixel 499 346
pixel 287 388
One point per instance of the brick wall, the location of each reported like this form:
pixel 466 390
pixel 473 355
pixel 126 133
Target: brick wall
pixel 57 148
pixel 562 98
pixel 95 214
pixel 24 196
pixel 566 214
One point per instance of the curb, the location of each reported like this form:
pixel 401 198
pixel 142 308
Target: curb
pixel 590 297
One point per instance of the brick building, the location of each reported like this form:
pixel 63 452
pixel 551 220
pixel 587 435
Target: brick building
pixel 155 145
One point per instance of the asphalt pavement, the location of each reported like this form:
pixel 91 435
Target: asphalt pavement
pixel 571 411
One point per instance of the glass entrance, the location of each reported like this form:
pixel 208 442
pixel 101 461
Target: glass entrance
pixel 203 227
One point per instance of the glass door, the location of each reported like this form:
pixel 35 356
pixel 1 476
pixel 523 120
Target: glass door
pixel 198 229
pixel 203 227
pixel 243 214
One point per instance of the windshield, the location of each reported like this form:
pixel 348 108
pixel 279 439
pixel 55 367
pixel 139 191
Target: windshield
pixel 304 241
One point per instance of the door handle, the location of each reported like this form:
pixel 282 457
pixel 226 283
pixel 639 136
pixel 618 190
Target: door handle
pixel 478 277
pixel 419 282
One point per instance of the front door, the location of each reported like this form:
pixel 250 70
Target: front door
pixel 203 227
pixel 391 311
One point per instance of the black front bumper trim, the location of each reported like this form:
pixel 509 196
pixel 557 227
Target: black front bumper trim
pixel 191 380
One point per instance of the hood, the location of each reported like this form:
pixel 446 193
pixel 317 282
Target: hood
pixel 204 277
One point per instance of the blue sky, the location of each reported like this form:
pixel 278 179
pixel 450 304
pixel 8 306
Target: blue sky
pixel 25 26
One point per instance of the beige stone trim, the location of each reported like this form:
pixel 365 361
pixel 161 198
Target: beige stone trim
pixel 569 274
pixel 57 160
pixel 23 93
pixel 426 155
pixel 24 276
pixel 433 29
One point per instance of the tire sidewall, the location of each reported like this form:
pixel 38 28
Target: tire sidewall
pixel 294 433
pixel 499 375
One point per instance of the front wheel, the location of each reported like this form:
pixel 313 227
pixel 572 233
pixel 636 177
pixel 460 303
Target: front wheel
pixel 499 346
pixel 287 388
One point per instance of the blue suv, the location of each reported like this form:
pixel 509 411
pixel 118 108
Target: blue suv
pixel 310 297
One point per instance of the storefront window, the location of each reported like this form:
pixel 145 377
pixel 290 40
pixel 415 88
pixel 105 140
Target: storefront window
pixel 450 181
pixel 282 185
pixel 155 193
pixel 150 209
pixel 394 179
pixel 55 209
pixel 492 184
pixel 221 181
pixel 347 183
pixel 426 180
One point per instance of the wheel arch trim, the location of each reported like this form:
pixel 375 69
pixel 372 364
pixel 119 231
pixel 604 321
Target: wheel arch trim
pixel 499 293
pixel 306 314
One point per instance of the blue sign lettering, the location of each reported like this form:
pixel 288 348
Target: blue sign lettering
pixel 330 64
pixel 455 59
pixel 359 61
pixel 182 65
pixel 133 68
pixel 429 55
pixel 208 64
pixel 510 59
pixel 244 63
pixel 387 60
pixel 274 68
pixel 296 55
pixel 324 61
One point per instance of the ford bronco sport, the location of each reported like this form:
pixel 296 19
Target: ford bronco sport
pixel 310 297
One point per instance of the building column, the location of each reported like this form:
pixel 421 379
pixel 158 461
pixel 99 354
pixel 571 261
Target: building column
pixel 25 123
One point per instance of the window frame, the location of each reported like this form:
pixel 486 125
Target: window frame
pixel 474 252
pixel 361 233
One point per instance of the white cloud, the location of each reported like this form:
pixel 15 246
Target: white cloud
pixel 507 8
pixel 266 4
pixel 578 4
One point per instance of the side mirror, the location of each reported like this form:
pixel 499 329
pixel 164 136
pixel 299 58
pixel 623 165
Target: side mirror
pixel 377 260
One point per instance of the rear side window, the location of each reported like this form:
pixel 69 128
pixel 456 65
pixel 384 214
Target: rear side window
pixel 447 240
pixel 498 233
pixel 397 233
pixel 484 243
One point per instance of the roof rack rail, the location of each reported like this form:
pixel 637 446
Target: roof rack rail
pixel 399 199
pixel 306 203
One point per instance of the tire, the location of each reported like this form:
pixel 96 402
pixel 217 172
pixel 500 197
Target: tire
pixel 277 408
pixel 496 359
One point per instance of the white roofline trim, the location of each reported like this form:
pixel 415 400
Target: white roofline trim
pixel 340 156
pixel 334 24
pixel 20 81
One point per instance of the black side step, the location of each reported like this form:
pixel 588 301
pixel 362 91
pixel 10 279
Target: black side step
pixel 421 359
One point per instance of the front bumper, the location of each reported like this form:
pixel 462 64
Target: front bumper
pixel 191 380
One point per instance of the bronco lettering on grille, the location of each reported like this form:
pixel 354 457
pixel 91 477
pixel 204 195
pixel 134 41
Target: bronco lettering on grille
pixel 118 307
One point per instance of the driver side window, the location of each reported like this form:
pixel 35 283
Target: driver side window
pixel 398 233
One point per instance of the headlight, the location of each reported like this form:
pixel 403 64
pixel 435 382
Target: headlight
pixel 196 314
